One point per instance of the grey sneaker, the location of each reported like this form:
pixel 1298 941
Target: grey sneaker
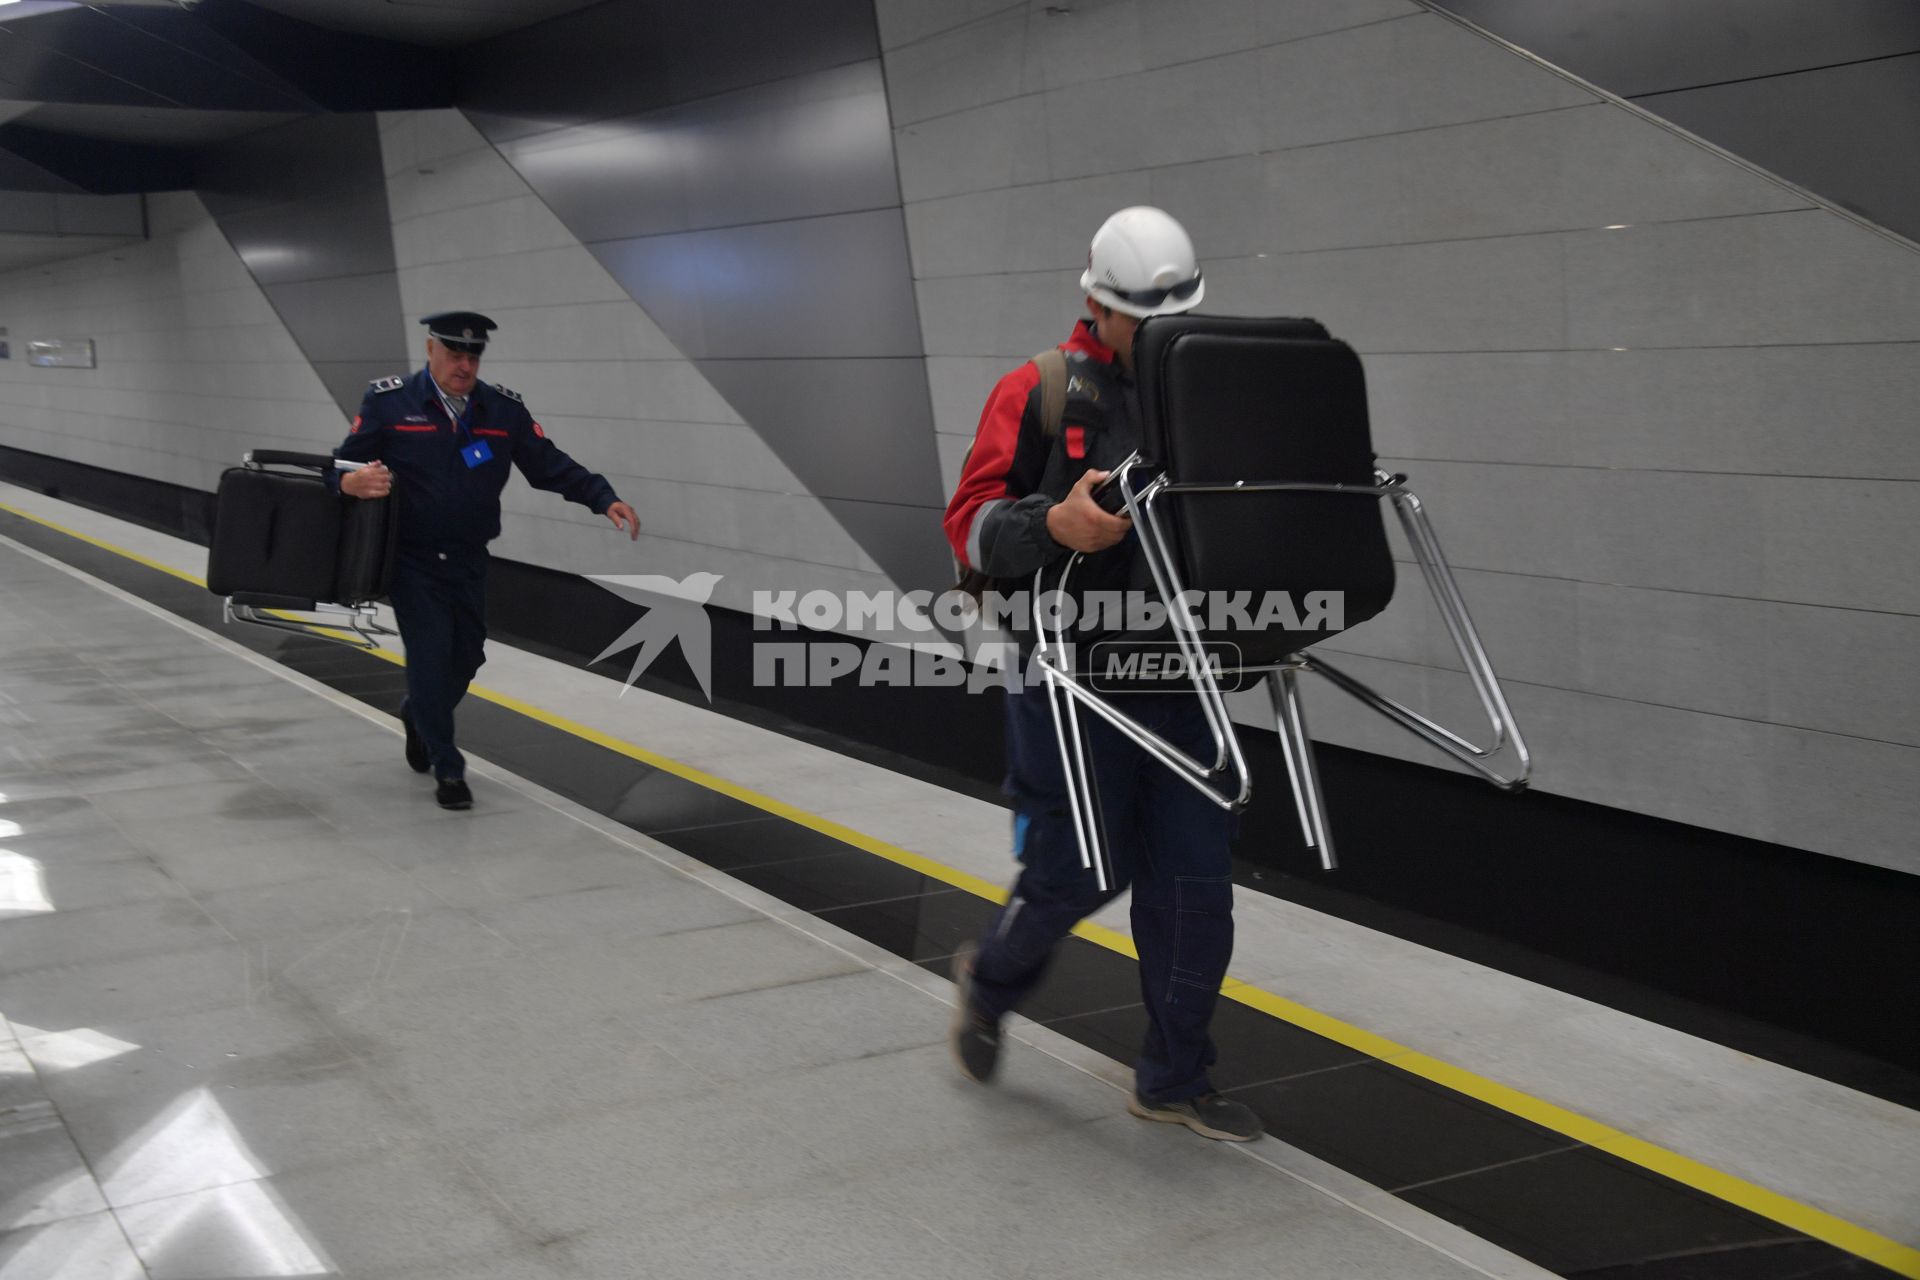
pixel 974 1037
pixel 1209 1115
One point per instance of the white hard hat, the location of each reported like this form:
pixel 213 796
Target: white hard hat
pixel 1141 263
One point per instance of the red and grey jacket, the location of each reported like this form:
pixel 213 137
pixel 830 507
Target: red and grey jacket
pixel 1016 472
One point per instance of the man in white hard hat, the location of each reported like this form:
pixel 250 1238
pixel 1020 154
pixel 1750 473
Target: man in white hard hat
pixel 1024 504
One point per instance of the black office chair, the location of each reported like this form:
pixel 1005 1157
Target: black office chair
pixel 283 546
pixel 1256 474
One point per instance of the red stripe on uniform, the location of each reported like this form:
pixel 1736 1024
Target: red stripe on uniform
pixel 489 431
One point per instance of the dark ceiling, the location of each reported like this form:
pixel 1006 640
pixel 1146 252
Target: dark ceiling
pixel 428 22
pixel 116 96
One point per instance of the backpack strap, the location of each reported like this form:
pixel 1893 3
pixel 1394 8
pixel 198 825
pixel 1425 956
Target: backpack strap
pixel 1052 364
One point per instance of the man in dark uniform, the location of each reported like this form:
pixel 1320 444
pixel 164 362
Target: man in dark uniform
pixel 445 438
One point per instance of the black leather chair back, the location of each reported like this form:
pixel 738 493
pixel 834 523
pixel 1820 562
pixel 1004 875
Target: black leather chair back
pixel 283 540
pixel 1228 398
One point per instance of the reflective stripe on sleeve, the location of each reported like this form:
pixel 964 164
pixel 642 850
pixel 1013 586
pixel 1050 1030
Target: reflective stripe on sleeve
pixel 973 531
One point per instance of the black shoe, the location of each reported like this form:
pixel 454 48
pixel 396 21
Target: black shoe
pixel 974 1037
pixel 1209 1115
pixel 416 747
pixel 452 793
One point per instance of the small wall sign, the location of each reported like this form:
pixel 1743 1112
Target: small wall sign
pixel 61 353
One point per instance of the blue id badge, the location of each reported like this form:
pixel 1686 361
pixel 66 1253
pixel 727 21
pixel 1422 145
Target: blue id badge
pixel 476 453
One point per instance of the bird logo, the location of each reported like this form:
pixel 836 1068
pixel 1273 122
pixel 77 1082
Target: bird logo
pixel 675 610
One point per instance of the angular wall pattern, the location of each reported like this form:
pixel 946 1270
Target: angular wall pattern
pixel 194 365
pixel 305 205
pixel 735 175
pixel 607 383
pixel 1829 99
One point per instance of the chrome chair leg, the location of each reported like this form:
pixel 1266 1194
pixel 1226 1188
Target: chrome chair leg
pixel 1296 745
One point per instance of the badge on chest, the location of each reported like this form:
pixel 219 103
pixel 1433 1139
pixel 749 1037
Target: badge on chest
pixel 477 452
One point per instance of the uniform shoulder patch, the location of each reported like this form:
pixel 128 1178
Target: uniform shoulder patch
pixel 511 395
pixel 387 384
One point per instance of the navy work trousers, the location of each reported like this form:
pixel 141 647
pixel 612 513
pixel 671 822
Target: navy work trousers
pixel 441 605
pixel 1164 838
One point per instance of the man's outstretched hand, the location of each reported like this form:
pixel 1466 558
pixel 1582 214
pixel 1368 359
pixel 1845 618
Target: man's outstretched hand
pixel 624 517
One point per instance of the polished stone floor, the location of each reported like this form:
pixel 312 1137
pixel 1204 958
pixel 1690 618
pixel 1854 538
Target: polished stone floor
pixel 268 1012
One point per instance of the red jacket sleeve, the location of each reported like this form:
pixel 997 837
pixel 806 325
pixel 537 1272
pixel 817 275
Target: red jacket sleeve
pixel 989 471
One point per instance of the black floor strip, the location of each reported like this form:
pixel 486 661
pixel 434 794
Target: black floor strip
pixel 1568 1207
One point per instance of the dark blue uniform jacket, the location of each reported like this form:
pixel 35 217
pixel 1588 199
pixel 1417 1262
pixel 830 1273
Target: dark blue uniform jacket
pixel 446 505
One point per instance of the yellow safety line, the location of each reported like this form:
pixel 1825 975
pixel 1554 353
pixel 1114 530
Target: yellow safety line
pixel 134 556
pixel 1901 1259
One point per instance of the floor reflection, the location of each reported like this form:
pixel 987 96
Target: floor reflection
pixel 23 884
pixel 244 1230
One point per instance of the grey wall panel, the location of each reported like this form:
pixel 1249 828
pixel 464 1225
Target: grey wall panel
pixel 1846 132
pixel 311 158
pixel 1825 95
pixel 897 539
pixel 814 144
pixel 50 213
pixel 18 174
pixel 1768 410
pixel 910 20
pixel 732 166
pixel 1790 539
pixel 997 146
pixel 1783 278
pixel 305 206
pixel 29 213
pixel 968 66
pixel 838 423
pixel 1770 781
pixel 195 367
pixel 313 239
pixel 624 177
pixel 1648 46
pixel 1717 654
pixel 342 318
pixel 721 45
pixel 1480 180
pixel 346 380
pixel 118 215
pixel 761 291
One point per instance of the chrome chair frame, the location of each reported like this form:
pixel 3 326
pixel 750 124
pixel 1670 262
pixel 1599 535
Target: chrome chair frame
pixel 363 621
pixel 1227 782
